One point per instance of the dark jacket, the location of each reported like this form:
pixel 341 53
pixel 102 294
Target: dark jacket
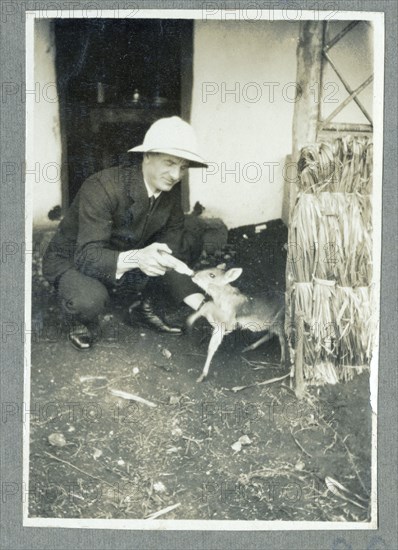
pixel 110 214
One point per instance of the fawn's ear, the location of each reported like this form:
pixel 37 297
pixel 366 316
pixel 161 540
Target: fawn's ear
pixel 232 274
pixel 222 266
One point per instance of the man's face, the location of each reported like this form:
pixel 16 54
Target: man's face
pixel 163 171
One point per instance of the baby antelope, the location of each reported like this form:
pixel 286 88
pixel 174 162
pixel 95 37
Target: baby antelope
pixel 230 310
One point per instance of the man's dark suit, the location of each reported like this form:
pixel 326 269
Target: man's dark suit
pixel 110 214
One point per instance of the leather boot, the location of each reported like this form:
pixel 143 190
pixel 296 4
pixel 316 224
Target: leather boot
pixel 143 311
pixel 82 337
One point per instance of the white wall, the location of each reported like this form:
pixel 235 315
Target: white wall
pixel 250 128
pixel 237 132
pixel 44 159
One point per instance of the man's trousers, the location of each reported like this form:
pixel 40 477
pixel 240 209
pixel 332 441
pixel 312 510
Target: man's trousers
pixel 84 298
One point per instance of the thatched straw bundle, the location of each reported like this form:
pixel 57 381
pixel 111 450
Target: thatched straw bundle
pixel 342 166
pixel 329 267
pixel 354 316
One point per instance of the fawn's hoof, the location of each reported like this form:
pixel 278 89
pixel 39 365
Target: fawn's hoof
pixel 201 378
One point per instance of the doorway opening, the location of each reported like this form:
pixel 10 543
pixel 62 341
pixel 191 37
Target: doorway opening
pixel 115 77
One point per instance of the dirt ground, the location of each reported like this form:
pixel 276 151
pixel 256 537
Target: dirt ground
pixel 212 450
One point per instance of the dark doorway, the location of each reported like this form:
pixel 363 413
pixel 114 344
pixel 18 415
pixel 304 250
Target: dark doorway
pixel 115 77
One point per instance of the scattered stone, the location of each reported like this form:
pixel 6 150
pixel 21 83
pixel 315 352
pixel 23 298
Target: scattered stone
pixel 174 399
pixel 242 441
pixel 166 353
pixel 237 447
pixel 245 440
pixel 97 453
pixel 57 440
pixel 159 487
pixel 172 450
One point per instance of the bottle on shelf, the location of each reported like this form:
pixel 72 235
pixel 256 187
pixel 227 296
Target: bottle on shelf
pixel 136 95
pixel 100 92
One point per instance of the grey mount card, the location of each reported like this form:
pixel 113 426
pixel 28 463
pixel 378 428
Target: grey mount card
pixel 198 200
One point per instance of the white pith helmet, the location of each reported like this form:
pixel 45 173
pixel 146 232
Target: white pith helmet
pixel 172 136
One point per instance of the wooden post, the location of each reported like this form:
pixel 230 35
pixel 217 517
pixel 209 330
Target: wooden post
pixel 305 125
pixel 309 65
pixel 309 76
pixel 299 386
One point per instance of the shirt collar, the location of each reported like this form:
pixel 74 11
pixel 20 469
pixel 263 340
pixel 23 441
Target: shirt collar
pixel 150 192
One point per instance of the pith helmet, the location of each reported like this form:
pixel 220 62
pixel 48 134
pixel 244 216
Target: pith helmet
pixel 172 136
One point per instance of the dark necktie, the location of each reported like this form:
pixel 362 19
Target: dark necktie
pixel 152 201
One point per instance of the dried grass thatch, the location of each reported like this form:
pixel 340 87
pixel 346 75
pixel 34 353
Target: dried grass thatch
pixel 329 270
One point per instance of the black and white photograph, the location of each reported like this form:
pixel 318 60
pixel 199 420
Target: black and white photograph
pixel 202 301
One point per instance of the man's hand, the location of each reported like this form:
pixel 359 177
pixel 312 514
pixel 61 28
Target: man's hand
pixel 151 260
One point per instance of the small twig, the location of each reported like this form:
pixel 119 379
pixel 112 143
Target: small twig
pixel 266 363
pixel 334 486
pixel 166 368
pixel 300 446
pixel 163 511
pixel 349 454
pixel 264 383
pixel 333 443
pixel 240 388
pixel 78 450
pixel 76 496
pixel 90 378
pixel 255 364
pixel 132 397
pixel 149 435
pixel 76 468
pixel 272 380
pixel 250 363
pixel 197 441
pixel 264 368
pixel 330 482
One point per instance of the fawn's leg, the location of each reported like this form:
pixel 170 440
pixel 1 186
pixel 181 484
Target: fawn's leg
pixel 204 311
pixel 257 343
pixel 193 318
pixel 282 343
pixel 267 337
pixel 215 341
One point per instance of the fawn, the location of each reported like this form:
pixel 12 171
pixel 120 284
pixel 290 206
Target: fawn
pixel 230 310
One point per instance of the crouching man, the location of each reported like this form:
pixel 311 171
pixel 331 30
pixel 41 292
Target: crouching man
pixel 123 228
